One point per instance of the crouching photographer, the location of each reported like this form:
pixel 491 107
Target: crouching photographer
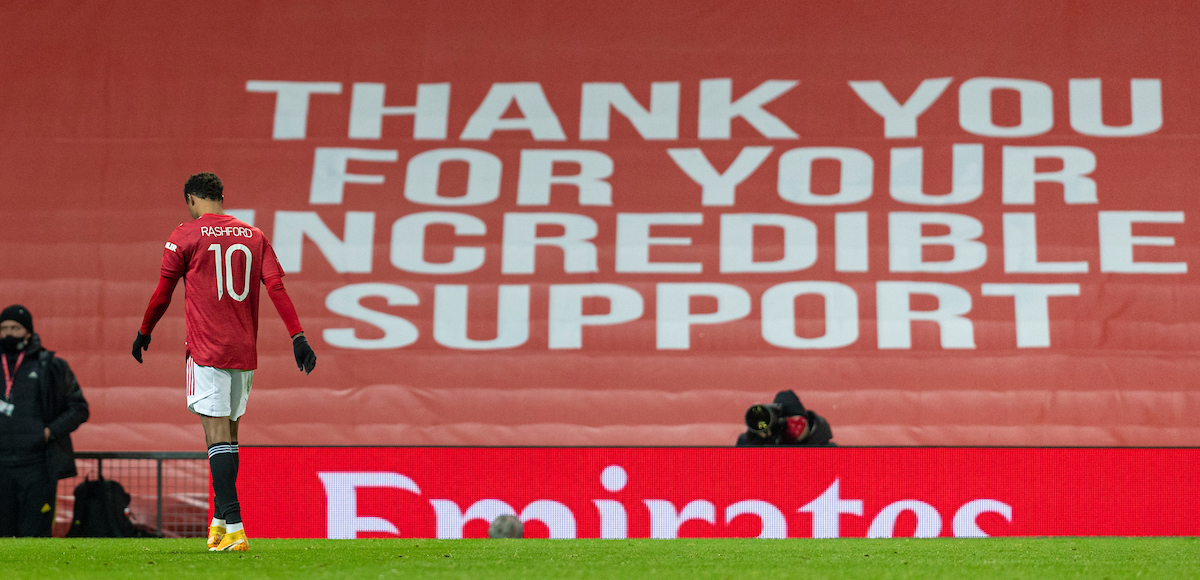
pixel 785 422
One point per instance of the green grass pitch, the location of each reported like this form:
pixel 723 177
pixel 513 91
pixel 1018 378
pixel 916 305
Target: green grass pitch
pixel 657 559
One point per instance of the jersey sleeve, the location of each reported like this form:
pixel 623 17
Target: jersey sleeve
pixel 270 263
pixel 174 262
pixel 272 275
pixel 158 304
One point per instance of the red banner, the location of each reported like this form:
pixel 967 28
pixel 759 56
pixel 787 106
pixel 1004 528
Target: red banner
pixel 298 492
pixel 621 223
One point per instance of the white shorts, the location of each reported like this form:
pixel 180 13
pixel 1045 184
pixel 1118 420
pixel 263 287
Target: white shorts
pixel 217 392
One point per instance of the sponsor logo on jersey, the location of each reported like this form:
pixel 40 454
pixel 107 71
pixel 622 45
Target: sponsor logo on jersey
pixel 171 246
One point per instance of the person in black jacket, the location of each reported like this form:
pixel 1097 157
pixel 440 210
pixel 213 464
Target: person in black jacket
pixel 785 422
pixel 42 405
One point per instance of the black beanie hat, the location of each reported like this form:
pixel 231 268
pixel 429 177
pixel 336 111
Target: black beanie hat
pixel 20 314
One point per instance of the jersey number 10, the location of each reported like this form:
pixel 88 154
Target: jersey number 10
pixel 226 281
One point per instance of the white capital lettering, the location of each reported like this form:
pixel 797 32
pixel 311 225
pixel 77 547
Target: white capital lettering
pixel 451 519
pixel 291 104
pixel 425 171
pixel 536 115
pixel 779 315
pixel 855 180
pixel 900 121
pixel 450 316
pixel 908 168
pixel 1032 309
pixel 894 310
pixel 675 316
pixel 851 246
pixel 352 254
pixel 1117 242
pixel 341 496
pixel 537 176
pixel 1021 175
pixel 408 243
pixel 1087 117
pixel 975 107
pixel 330 175
pixel 347 301
pixel 430 114
pixel 634 241
pixel 521 241
pixel 717 189
pixel 566 310
pixel 661 121
pixel 1021 249
pixel 737 242
pixel 906 242
pixel 718 109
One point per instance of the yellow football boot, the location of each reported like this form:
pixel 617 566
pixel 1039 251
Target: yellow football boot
pixel 234 542
pixel 215 535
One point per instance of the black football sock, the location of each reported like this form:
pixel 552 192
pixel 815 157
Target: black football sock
pixel 223 463
pixel 217 514
pixel 236 461
pixel 216 506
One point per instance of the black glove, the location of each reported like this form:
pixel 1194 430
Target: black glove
pixel 142 342
pixel 306 359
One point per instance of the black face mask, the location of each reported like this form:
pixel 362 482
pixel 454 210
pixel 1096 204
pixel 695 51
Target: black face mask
pixel 11 344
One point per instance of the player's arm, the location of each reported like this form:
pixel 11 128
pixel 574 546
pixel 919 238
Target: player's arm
pixel 159 302
pixel 272 277
pixel 306 359
pixel 174 263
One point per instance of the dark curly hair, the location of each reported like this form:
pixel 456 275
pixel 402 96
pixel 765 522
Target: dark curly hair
pixel 204 185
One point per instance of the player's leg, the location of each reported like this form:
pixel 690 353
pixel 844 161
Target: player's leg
pixel 221 463
pixel 239 394
pixel 202 397
pixel 216 429
pixel 208 397
pixel 233 437
pixel 216 527
pixel 239 390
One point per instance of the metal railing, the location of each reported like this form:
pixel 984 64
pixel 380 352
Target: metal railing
pixel 168 490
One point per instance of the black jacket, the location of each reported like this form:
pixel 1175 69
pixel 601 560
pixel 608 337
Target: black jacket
pixel 45 394
pixel 820 434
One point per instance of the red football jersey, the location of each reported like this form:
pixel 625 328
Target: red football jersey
pixel 223 262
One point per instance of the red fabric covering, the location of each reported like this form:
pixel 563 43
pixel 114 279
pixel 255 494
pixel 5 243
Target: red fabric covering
pixel 109 105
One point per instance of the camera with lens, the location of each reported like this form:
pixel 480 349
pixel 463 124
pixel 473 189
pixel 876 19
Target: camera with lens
pixel 784 422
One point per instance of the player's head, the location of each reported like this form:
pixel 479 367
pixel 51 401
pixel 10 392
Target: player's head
pixel 203 186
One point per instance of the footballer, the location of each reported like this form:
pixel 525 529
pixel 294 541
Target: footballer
pixel 222 260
